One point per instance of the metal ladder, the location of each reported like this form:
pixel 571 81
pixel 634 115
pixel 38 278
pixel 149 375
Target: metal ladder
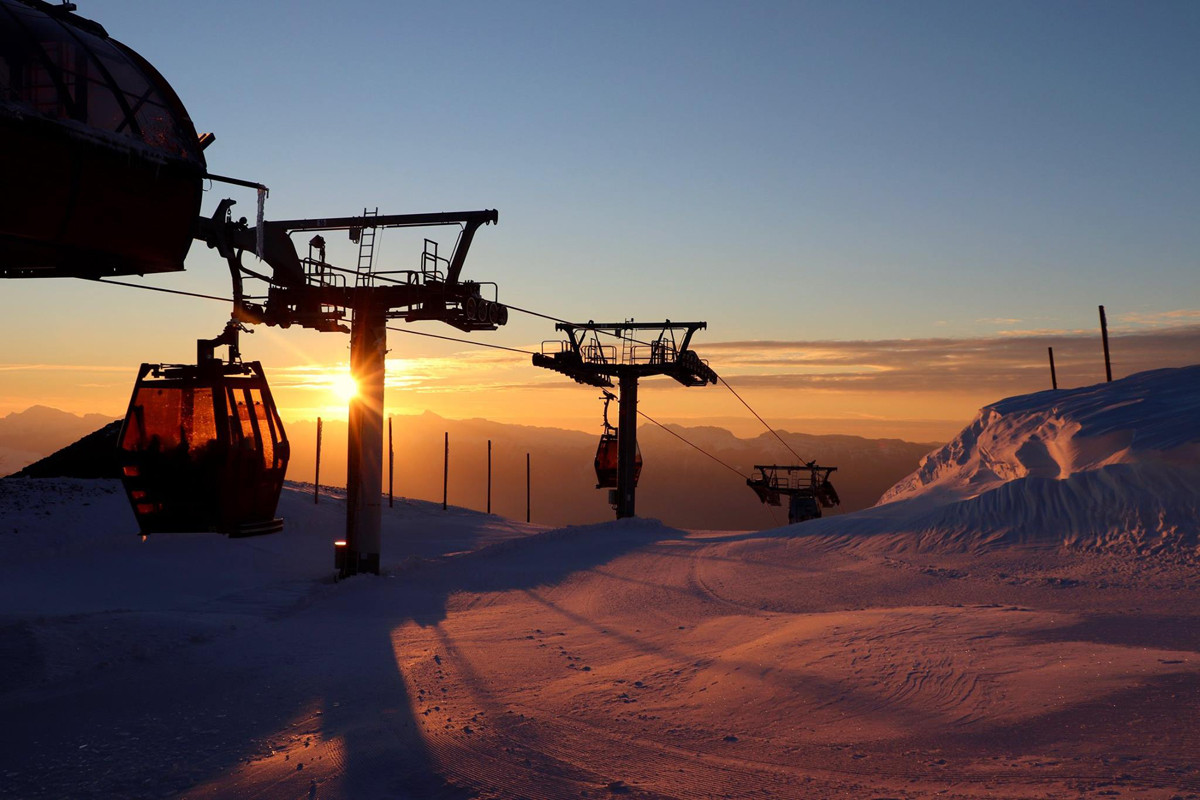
pixel 366 249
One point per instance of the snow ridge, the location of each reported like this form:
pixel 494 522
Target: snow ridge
pixel 1111 465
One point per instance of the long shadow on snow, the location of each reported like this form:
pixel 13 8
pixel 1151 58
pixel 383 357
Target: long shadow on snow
pixel 368 611
pixel 352 671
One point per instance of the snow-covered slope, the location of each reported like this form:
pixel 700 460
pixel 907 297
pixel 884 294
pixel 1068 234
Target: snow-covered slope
pixel 1111 465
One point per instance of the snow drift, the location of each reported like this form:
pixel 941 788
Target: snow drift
pixel 1110 466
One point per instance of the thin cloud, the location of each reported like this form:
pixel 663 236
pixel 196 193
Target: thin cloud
pixel 64 368
pixel 1012 362
pixel 1161 318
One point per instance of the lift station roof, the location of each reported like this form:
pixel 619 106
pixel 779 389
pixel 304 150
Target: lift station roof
pixel 102 165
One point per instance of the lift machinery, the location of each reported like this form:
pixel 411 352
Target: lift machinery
pixel 311 292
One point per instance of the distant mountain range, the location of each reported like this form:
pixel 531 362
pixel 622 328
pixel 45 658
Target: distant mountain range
pixel 26 436
pixel 679 485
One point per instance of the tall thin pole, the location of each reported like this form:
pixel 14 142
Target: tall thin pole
pixel 527 485
pixel 317 477
pixel 391 467
pixel 627 445
pixel 446 471
pixel 1104 335
pixel 1053 377
pixel 364 462
pixel 489 485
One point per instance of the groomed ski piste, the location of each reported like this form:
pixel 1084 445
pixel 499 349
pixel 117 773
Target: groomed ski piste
pixel 1018 618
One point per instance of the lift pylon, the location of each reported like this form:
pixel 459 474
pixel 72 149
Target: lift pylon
pixel 313 293
pixel 584 358
pixel 806 486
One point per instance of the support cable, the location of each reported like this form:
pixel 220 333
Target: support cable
pixel 473 343
pixel 568 322
pixel 463 341
pixel 161 289
pixel 390 327
pixel 497 347
pixel 695 446
pixel 723 381
pixel 760 419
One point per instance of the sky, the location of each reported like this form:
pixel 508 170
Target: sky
pixel 885 212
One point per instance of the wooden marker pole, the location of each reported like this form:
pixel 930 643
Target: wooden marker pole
pixel 527 487
pixel 317 477
pixel 446 471
pixel 1053 377
pixel 391 467
pixel 489 485
pixel 1104 336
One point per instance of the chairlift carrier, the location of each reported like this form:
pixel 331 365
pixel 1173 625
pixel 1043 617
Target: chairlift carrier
pixel 806 486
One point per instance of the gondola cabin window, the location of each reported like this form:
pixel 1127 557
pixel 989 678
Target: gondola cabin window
pixel 200 426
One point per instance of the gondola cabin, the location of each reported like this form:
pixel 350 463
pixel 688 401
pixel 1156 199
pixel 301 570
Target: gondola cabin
pixel 607 460
pixel 203 449
pixel 102 166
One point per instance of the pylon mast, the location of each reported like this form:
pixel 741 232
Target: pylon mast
pixel 586 359
pixel 313 293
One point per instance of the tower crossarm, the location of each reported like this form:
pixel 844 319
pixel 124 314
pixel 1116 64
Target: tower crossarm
pixel 584 359
pixel 315 294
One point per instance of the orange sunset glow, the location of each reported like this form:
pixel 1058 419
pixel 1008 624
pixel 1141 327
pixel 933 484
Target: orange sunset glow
pixel 661 400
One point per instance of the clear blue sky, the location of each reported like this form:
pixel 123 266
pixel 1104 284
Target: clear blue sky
pixel 783 171
pixel 857 169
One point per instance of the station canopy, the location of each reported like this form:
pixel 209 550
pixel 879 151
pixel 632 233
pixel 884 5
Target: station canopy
pixel 58 66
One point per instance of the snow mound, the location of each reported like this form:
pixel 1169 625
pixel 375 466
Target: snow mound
pixel 1115 465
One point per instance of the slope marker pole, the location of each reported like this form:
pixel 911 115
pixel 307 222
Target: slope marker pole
pixel 317 477
pixel 1104 336
pixel 445 471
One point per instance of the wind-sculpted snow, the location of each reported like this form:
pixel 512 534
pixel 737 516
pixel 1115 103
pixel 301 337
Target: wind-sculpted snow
pixel 1111 465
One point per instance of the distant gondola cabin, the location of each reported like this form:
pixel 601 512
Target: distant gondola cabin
pixel 607 461
pixel 102 166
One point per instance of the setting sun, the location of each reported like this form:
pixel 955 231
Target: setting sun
pixel 343 386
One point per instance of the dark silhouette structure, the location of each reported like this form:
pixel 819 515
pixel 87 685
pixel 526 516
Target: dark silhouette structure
pixel 103 172
pixel 102 166
pixel 586 359
pixel 806 486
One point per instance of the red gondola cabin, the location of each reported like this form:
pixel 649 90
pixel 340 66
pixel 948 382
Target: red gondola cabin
pixel 607 460
pixel 203 449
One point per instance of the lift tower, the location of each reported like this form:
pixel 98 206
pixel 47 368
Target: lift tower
pixel 310 292
pixel 587 360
